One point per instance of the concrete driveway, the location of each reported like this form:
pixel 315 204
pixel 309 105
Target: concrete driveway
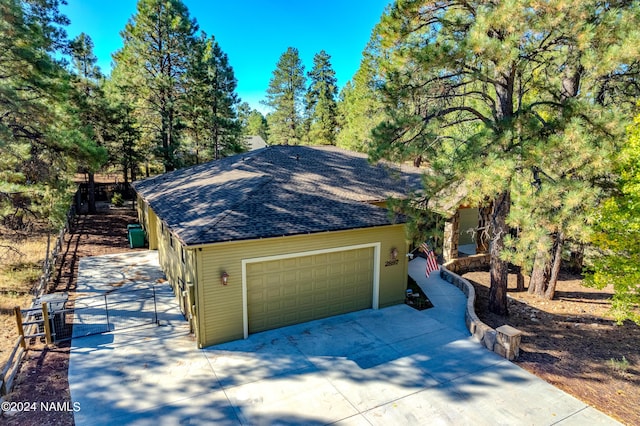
pixel 393 366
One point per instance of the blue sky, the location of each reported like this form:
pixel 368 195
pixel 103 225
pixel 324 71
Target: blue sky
pixel 253 33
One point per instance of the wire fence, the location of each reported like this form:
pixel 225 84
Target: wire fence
pixel 30 323
pixel 53 255
pixel 113 311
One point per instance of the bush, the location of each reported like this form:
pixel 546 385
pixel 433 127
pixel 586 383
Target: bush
pixel 117 199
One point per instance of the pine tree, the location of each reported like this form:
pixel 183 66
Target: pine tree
pixel 212 99
pixel 124 150
pixel 360 108
pixel 286 87
pixel 243 111
pixel 128 146
pixel 502 94
pixel 257 125
pixel 320 102
pixel 40 143
pixel 90 102
pixel 152 66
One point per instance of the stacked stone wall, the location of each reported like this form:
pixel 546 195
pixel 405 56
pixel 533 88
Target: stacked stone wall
pixel 505 340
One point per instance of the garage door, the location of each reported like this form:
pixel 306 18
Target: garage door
pixel 303 288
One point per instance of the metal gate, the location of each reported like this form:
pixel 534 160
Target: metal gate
pixel 117 310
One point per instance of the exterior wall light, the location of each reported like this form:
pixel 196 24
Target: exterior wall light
pixel 224 278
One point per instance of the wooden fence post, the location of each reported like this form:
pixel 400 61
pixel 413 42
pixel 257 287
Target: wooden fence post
pixel 19 323
pixel 47 325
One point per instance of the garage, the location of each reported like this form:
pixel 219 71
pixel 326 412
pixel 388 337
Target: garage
pixel 279 236
pixel 295 288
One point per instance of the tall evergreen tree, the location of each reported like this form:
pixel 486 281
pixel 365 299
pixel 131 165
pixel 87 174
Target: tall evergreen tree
pixel 90 101
pixel 243 111
pixel 124 149
pixel 212 96
pixel 497 95
pixel 40 144
pixel 284 96
pixel 360 108
pixel 153 63
pixel 320 102
pixel 128 146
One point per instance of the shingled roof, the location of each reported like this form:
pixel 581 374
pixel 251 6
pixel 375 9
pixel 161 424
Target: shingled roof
pixel 275 191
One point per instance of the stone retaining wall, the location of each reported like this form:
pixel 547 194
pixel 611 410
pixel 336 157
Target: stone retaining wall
pixel 474 262
pixel 505 341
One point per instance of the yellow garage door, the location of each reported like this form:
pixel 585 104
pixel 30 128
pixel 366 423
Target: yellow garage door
pixel 298 289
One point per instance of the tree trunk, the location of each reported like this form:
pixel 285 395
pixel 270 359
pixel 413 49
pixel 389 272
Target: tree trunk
pixel 499 268
pixel 537 279
pixel 78 200
pixel 555 268
pixel 576 263
pixel 92 194
pixel 519 277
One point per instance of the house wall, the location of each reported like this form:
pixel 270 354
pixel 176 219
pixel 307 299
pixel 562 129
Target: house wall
pixel 149 221
pixel 468 221
pixel 180 267
pixel 141 209
pixel 220 308
pixel 178 263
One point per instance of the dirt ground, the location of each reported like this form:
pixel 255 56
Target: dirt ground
pixel 572 343
pixel 43 376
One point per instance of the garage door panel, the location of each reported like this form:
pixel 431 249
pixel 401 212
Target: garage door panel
pixel 319 273
pixel 305 275
pixel 289 303
pixel 305 287
pixel 255 268
pixel 292 263
pixel 271 267
pixel 335 270
pixel 293 290
pixel 306 261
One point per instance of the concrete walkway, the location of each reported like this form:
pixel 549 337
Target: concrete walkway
pixel 393 366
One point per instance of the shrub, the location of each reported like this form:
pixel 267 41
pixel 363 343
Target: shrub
pixel 117 199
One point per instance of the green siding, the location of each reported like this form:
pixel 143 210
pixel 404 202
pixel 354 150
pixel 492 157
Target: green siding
pixel 468 222
pixel 152 229
pixel 148 220
pixel 221 307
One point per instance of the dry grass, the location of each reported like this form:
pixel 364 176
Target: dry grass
pixel 22 264
pixel 20 269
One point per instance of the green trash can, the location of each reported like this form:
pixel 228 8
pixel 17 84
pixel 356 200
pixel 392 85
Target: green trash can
pixel 136 237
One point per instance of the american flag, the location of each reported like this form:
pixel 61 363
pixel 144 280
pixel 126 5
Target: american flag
pixel 432 264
